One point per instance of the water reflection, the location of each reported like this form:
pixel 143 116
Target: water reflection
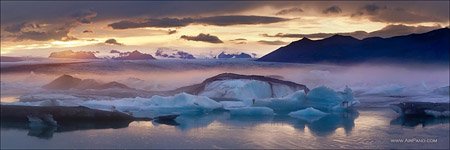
pixel 46 132
pixel 321 127
pixel 408 121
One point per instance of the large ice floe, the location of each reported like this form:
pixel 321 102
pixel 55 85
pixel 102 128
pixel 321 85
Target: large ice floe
pixel 182 103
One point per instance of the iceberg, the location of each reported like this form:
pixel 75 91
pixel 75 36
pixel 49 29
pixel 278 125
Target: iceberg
pixel 181 103
pixel 293 101
pixel 252 111
pixel 309 114
pixel 437 114
pixel 238 89
pixel 325 98
pixel 246 89
pixel 227 105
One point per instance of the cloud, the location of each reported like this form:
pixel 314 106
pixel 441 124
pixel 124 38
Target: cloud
pixel 161 23
pixel 277 42
pixel 239 41
pixel 182 22
pixel 46 32
pixel 35 32
pixel 14 12
pixel 113 42
pixel 332 10
pixel 88 31
pixel 171 31
pixel 382 13
pixel 288 35
pixel 85 16
pixel 388 31
pixel 203 38
pixel 372 8
pixel 396 30
pixel 288 11
pixel 16 28
pixel 115 51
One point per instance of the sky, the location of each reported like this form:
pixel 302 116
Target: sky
pixel 36 28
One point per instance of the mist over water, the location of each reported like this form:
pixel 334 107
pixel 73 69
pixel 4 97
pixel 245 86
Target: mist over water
pixel 364 79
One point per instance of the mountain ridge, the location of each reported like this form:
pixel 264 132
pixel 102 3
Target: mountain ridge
pixel 431 46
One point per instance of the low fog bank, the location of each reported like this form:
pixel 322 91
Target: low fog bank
pixel 367 80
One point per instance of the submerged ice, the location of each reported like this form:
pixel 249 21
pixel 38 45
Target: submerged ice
pixel 308 114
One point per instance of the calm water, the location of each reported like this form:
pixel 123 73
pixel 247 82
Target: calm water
pixel 365 128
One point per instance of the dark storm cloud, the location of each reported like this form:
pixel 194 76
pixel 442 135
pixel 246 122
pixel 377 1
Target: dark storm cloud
pixel 277 42
pixel 214 20
pixel 372 8
pixel 113 42
pixel 50 11
pixel 288 11
pixel 38 33
pixel 55 11
pixel 332 10
pixel 15 28
pixel 57 31
pixel 202 38
pixel 161 23
pixel 238 20
pixel 388 14
pixel 388 31
pixel 84 16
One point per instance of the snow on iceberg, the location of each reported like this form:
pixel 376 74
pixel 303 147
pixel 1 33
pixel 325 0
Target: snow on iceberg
pixel 238 89
pixel 245 89
pixel 251 111
pixel 325 98
pixel 309 114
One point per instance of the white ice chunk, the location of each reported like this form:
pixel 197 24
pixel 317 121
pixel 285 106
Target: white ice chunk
pixel 251 111
pixel 309 114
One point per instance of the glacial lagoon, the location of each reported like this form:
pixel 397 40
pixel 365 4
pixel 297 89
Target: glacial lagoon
pixel 361 128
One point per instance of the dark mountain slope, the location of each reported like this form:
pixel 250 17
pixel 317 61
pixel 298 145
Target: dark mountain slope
pixel 427 47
